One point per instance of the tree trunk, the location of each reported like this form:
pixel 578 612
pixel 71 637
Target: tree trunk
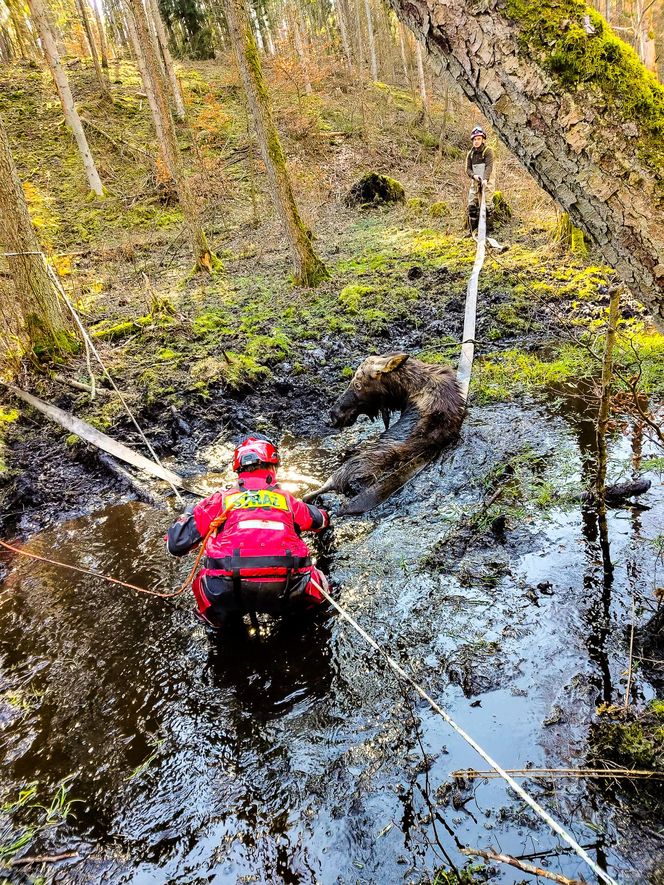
pixel 308 268
pixel 176 92
pixel 604 410
pixel 343 30
pixel 17 19
pixel 645 35
pixel 163 121
pixel 573 103
pixel 299 50
pixel 372 41
pixel 103 46
pixel 142 66
pixel 101 80
pixel 37 308
pixel 64 92
pixel 420 76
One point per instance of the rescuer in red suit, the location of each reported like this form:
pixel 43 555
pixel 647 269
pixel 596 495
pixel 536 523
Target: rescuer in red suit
pixel 256 560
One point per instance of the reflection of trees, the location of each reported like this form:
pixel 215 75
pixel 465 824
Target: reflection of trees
pixel 91 645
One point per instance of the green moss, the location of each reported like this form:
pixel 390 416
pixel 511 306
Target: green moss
pixel 351 297
pixel 439 209
pixel 375 189
pixel 268 349
pixel 8 416
pixel 502 211
pixel 106 331
pixel 633 739
pixel 415 205
pixel 512 372
pixel 167 354
pixel 556 31
pixel 212 322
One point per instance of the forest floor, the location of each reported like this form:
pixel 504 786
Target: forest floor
pixel 203 359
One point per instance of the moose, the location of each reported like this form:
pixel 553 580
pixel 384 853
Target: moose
pixel 432 409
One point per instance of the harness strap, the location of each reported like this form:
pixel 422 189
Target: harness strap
pixel 237 583
pixel 237 562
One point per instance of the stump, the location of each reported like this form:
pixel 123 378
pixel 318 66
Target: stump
pixel 375 189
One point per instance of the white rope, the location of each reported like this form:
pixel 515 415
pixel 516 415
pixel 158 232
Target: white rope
pixel 89 346
pixel 468 339
pixel 555 826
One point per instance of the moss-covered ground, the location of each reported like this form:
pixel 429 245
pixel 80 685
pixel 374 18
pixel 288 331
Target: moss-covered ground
pixel 181 343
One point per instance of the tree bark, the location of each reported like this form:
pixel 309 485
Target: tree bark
pixel 420 76
pixel 142 66
pixel 308 268
pixel 343 31
pixel 103 45
pixel 101 80
pixel 176 92
pixel 64 92
pixel 372 41
pixel 299 49
pixel 540 73
pixel 37 309
pixel 164 123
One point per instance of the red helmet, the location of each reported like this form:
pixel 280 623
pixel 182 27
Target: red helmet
pixel 252 451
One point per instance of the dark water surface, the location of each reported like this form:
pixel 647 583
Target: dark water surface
pixel 292 755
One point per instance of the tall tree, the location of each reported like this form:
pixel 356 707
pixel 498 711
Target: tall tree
pixel 37 307
pixel 308 268
pixel 174 83
pixel 420 76
pixel 85 18
pixel 575 105
pixel 103 44
pixel 371 37
pixel 165 128
pixel 64 92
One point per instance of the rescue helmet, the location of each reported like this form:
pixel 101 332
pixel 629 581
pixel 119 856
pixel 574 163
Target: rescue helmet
pixel 478 131
pixel 254 451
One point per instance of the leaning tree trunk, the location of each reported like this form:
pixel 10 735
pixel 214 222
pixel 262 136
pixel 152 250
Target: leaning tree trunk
pixel 308 268
pixel 575 105
pixel 66 98
pixel 166 129
pixel 103 44
pixel 36 306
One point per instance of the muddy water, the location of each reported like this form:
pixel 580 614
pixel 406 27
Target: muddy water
pixel 291 755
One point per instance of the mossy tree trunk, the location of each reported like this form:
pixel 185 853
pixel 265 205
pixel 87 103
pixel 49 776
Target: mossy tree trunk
pixel 37 309
pixel 66 98
pixel 308 268
pixel 165 128
pixel 575 105
pixel 569 237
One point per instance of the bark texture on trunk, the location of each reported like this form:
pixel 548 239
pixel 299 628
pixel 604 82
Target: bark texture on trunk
pixel 85 18
pixel 36 308
pixel 176 92
pixel 66 98
pixel 166 131
pixel 308 268
pixel 576 106
pixel 371 39
pixel 103 44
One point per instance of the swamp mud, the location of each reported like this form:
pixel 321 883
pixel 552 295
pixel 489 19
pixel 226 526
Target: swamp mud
pixel 290 754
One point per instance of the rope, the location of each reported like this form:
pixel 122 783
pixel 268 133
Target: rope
pixel 89 346
pixel 215 525
pixel 518 789
pixel 468 339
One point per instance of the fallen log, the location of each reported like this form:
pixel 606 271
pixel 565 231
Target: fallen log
pixel 105 443
pixel 520 865
pixel 620 491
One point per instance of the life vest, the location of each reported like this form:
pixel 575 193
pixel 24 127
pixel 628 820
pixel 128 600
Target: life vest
pixel 259 539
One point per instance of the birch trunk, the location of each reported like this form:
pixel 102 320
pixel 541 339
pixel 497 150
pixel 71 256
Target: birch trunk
pixel 308 268
pixel 37 309
pixel 343 31
pixel 538 72
pixel 64 92
pixel 162 39
pixel 203 257
pixel 101 79
pixel 372 41
pixel 142 66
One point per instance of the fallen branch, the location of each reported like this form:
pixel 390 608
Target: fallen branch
pixel 105 443
pixel 520 865
pixel 46 858
pixel 636 774
pixel 116 142
pixel 142 493
pixel 621 490
pixel 79 385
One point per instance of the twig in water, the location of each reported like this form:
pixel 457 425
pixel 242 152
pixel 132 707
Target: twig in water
pixel 631 658
pixel 47 858
pixel 629 773
pixel 520 865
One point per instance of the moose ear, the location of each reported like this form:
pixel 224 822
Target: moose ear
pixel 392 362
